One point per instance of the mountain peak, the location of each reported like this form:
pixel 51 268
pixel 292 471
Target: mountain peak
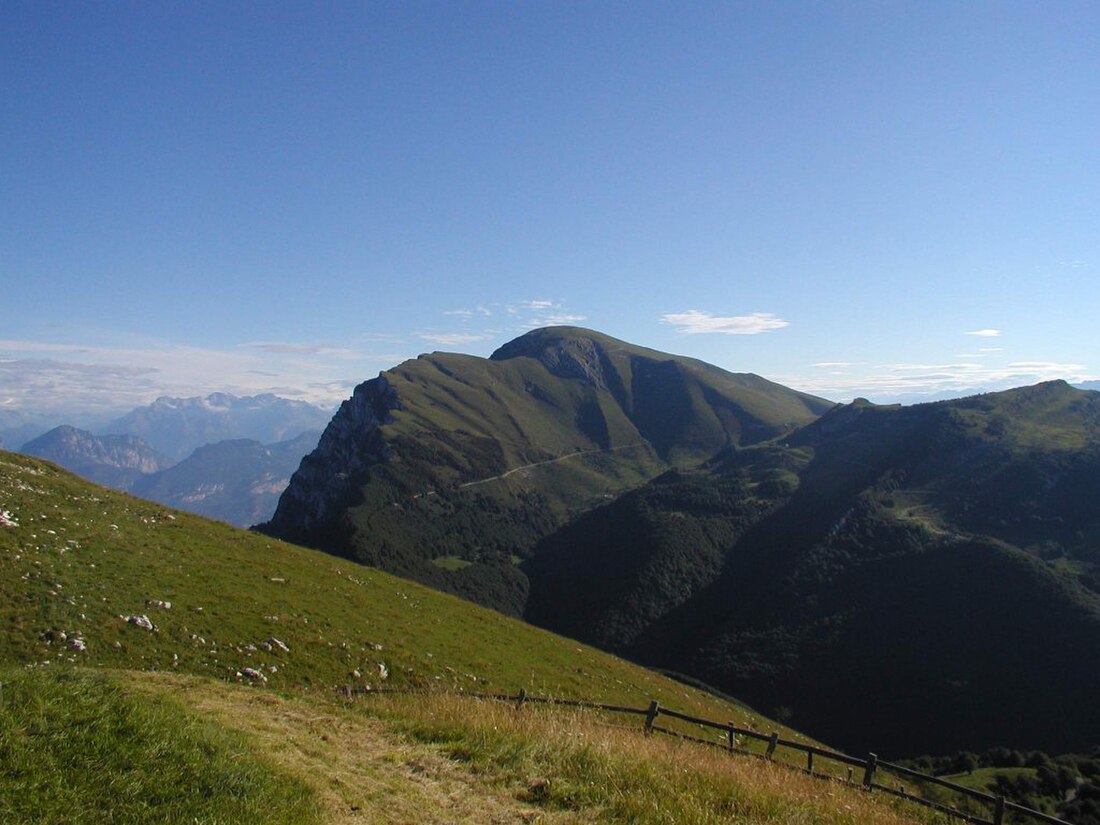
pixel 567 352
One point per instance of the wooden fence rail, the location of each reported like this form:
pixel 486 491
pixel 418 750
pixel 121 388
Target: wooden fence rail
pixel 871 766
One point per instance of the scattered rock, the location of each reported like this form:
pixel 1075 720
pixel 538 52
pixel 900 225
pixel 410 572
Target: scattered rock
pixel 158 603
pixel 279 644
pixel 253 674
pixel 383 673
pixel 7 519
pixel 76 643
pixel 142 621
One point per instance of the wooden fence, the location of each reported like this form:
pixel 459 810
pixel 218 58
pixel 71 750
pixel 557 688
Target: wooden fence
pixel 871 769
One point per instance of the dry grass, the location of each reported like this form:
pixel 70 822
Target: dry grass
pixel 577 761
pixel 447 759
pixel 362 769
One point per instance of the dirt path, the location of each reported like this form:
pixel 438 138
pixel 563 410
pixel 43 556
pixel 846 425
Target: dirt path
pixel 362 770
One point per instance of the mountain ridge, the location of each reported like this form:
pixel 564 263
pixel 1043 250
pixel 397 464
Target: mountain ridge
pixel 391 483
pixel 929 552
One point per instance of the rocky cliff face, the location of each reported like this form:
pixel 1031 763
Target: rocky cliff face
pixel 582 357
pixel 329 479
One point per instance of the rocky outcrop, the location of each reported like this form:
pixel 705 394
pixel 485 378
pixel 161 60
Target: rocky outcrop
pixel 564 355
pixel 329 479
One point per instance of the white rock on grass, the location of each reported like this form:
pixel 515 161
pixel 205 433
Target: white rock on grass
pixel 7 519
pixel 142 621
pixel 279 644
pixel 163 605
pixel 253 674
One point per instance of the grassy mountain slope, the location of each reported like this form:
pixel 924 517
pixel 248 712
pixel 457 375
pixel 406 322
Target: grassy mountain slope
pixel 923 573
pixel 82 559
pixel 472 461
pixel 107 709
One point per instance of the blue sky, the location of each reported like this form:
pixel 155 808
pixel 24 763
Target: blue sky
pixel 894 200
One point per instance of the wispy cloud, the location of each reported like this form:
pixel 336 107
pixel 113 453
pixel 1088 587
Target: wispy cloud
pixel 694 322
pixel 985 333
pixel 543 312
pixel 454 339
pixel 284 348
pixel 48 375
pixel 515 317
pixel 911 382
pixel 557 320
pixel 833 365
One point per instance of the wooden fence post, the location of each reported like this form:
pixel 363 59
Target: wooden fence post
pixel 999 811
pixel 521 698
pixel 772 743
pixel 732 738
pixel 869 771
pixel 809 762
pixel 651 715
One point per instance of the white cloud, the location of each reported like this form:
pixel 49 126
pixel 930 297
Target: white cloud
pixel 829 365
pixel 51 376
pixel 913 382
pixel 694 322
pixel 562 319
pixel 282 348
pixel 544 313
pixel 985 333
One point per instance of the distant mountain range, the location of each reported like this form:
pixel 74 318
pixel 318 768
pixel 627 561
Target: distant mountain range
pixel 927 574
pixel 178 426
pixel 237 480
pixel 235 477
